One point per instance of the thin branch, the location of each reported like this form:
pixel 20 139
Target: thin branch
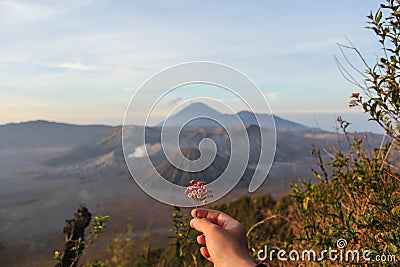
pixel 260 223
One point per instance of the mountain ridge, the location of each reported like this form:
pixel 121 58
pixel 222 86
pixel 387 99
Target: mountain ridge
pixel 42 133
pixel 209 117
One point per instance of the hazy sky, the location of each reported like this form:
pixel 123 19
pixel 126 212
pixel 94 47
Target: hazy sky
pixel 81 61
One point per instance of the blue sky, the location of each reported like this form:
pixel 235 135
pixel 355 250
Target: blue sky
pixel 81 61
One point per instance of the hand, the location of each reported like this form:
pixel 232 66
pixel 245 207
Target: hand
pixel 224 238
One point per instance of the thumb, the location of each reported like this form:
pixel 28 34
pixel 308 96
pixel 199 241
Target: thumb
pixel 202 225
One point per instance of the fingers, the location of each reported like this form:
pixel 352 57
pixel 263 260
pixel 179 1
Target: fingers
pixel 202 225
pixel 194 213
pixel 214 216
pixel 202 213
pixel 201 239
pixel 205 253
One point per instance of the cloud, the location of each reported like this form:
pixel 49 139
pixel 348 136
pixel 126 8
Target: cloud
pixel 76 65
pixel 319 111
pixel 72 65
pixel 8 102
pixel 131 42
pixel 272 96
pixel 13 58
pixel 141 151
pixel 128 89
pixel 6 106
pixel 317 45
pixel 15 12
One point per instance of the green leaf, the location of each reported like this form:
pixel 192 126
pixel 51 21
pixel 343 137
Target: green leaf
pixel 305 203
pixel 378 17
pixel 392 247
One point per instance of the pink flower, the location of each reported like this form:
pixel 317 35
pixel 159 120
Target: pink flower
pixel 353 103
pixel 199 192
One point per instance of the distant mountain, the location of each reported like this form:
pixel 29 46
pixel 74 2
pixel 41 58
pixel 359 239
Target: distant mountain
pixel 104 152
pixel 179 177
pixel 106 142
pixel 204 112
pixel 40 133
pixel 281 124
pixel 291 145
pixel 188 114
